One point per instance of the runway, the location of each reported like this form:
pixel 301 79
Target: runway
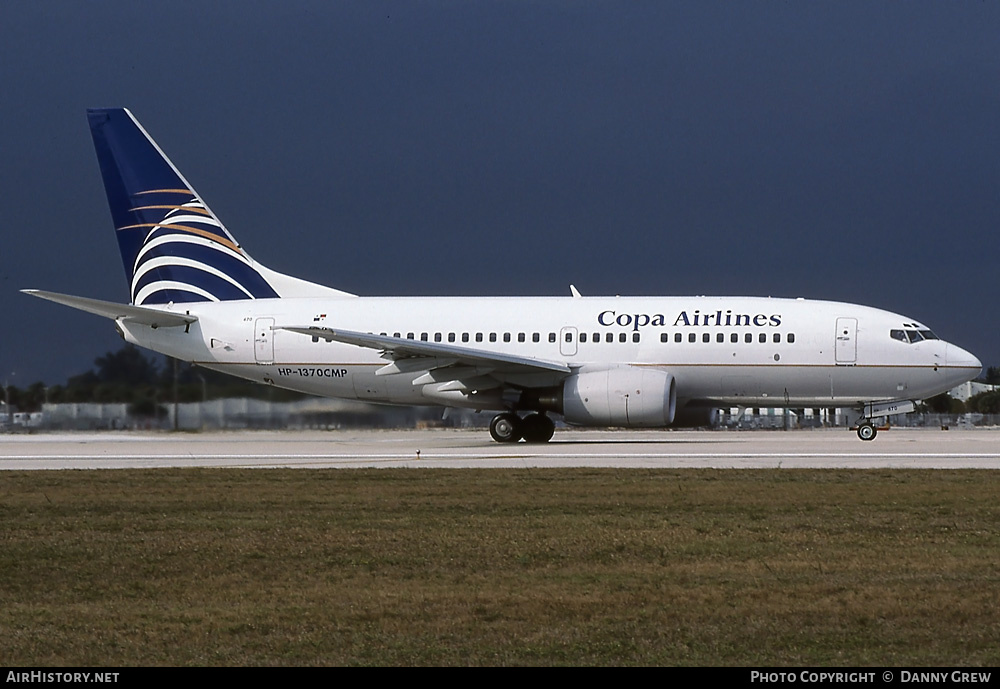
pixel 439 448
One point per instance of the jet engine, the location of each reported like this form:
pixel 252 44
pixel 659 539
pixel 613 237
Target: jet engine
pixel 627 396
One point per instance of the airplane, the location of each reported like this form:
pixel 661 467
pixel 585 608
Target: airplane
pixel 634 362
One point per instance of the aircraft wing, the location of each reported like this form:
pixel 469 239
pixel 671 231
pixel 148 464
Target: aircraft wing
pixel 409 356
pixel 155 318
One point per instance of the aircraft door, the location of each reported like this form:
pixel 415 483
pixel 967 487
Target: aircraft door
pixel 847 340
pixel 263 340
pixel 567 341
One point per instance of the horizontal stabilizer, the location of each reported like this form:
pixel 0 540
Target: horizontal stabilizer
pixel 143 315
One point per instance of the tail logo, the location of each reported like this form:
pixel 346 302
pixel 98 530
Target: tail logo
pixel 187 255
pixel 173 247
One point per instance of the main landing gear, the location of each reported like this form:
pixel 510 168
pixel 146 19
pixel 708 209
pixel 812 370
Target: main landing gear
pixel 533 428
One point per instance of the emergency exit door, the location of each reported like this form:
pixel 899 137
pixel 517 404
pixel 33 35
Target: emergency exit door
pixel 567 341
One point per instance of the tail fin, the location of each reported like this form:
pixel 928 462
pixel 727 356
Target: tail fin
pixel 173 246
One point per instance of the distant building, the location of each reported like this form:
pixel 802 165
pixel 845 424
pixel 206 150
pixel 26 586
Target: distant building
pixel 6 415
pixel 966 390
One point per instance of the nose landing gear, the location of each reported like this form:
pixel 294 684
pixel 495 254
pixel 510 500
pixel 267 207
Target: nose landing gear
pixel 867 430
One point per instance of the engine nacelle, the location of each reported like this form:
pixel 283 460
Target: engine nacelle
pixel 628 396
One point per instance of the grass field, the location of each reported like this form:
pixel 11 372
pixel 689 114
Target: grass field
pixel 499 567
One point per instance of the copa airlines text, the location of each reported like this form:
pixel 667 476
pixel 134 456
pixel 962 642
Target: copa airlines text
pixel 641 320
pixel 637 362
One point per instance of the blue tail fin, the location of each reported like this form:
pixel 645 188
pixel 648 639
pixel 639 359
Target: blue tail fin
pixel 173 246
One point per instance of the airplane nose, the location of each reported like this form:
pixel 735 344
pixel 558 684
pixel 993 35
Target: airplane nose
pixel 959 358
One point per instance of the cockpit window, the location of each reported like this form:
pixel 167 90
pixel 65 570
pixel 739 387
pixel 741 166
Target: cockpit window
pixel 912 336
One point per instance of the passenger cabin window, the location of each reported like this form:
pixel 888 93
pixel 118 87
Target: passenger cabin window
pixel 506 337
pixel 748 338
pixel 479 337
pixel 493 337
pixel 762 338
pixel 678 337
pixel 734 338
pixel 437 337
pixel 536 337
pixel 583 337
pixel 692 337
pixel 791 338
pixel 635 337
pixel 663 337
pixel 520 337
pixel 777 338
pixel 465 337
pixel 552 337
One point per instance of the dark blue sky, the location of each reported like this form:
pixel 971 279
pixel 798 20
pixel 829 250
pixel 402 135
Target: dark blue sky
pixel 843 151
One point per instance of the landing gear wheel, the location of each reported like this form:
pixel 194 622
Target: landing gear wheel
pixel 537 428
pixel 506 428
pixel 866 431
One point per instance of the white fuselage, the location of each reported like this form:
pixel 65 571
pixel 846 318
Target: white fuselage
pixel 739 351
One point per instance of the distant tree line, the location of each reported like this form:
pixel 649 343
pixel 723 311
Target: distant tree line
pixel 983 402
pixel 146 383
pixel 986 402
pixel 992 375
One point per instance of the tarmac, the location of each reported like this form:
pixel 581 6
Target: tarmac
pixel 897 448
